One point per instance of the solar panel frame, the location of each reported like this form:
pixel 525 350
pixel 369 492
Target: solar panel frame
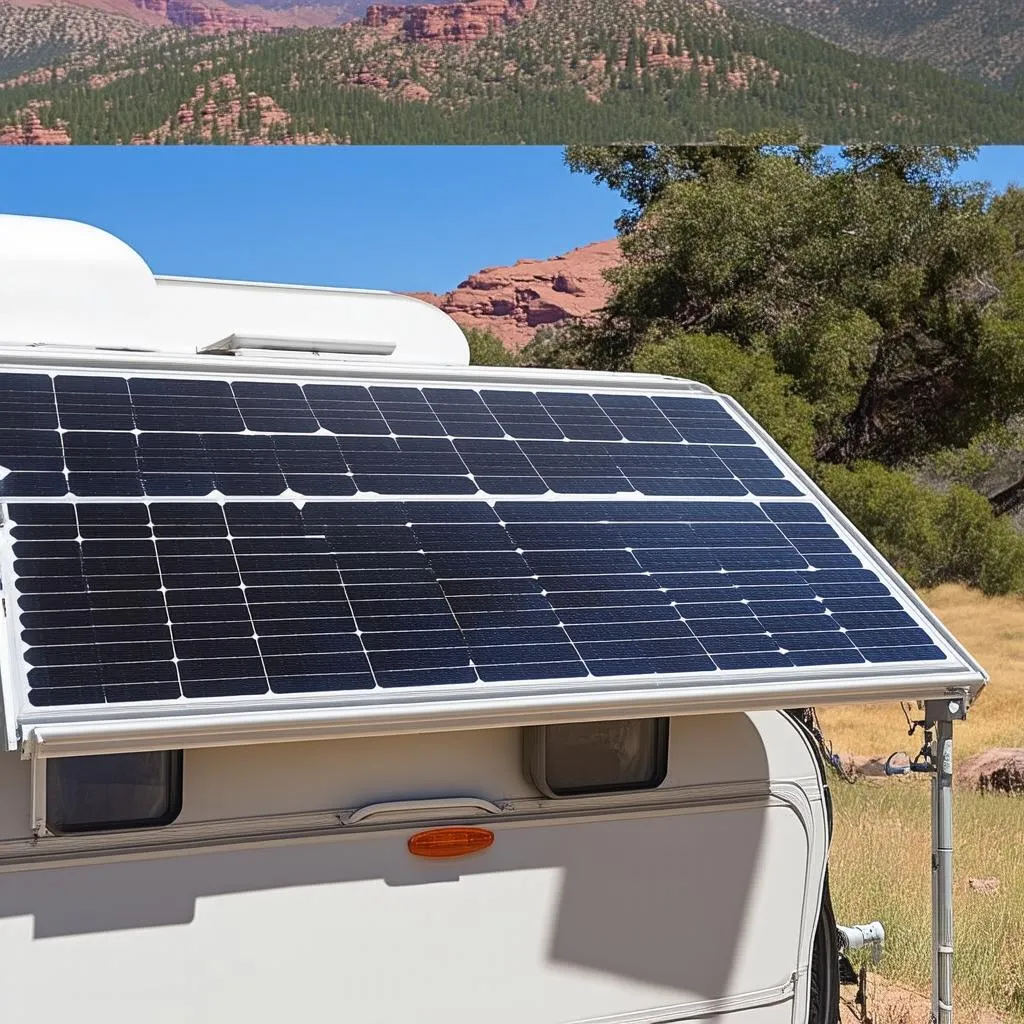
pixel 547 696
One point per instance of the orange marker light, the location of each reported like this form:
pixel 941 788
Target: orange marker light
pixel 452 841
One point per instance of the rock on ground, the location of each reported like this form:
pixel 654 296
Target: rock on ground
pixel 999 770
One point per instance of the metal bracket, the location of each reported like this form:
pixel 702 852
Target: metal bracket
pixel 951 709
pixel 280 343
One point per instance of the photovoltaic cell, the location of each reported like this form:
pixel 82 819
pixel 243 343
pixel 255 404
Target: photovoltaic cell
pixel 188 538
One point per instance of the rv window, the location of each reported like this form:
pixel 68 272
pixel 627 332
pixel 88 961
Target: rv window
pixel 598 757
pixel 113 791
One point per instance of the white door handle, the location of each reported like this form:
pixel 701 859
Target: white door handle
pixel 453 803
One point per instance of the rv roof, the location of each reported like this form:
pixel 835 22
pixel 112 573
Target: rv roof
pixel 70 285
pixel 200 549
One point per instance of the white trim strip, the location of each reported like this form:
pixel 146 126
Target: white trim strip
pixel 781 993
pixel 66 739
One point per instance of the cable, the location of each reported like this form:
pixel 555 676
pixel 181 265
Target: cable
pixel 810 719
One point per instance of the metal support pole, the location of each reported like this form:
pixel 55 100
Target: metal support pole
pixel 934 783
pixel 942 871
pixel 942 714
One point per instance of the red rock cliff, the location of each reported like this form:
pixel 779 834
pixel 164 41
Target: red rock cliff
pixel 512 302
pixel 447 23
pixel 204 17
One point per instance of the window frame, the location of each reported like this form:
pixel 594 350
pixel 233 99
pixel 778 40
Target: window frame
pixel 535 758
pixel 42 826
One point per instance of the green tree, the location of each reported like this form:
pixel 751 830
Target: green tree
pixel 882 287
pixel 486 349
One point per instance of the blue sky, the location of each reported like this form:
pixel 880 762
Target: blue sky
pixel 407 218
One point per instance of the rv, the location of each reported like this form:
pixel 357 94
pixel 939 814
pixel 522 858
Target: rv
pixel 345 680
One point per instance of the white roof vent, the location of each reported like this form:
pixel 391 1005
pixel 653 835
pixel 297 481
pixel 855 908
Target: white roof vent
pixel 67 284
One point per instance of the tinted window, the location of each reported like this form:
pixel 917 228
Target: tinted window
pixel 599 757
pixel 113 791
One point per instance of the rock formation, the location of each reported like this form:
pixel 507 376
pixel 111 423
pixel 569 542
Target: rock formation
pixel 445 23
pixel 200 17
pixel 31 132
pixel 512 302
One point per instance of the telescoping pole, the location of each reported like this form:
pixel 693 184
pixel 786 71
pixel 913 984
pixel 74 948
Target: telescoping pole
pixel 942 714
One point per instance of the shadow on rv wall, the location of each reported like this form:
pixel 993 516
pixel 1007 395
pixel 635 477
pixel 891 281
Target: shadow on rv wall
pixel 662 897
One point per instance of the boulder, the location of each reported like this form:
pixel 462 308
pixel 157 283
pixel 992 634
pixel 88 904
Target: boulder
pixel 999 770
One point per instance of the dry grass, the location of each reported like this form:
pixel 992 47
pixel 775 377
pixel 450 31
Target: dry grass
pixel 992 629
pixel 880 869
pixel 881 852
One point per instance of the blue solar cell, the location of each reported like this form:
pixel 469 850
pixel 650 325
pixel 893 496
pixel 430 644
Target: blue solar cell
pixel 726 626
pixel 33 485
pixel 836 656
pixel 799 623
pixel 274 407
pixel 578 416
pixel 793 512
pixel 713 610
pixel 874 620
pixel 521 414
pixel 771 488
pixel 531 670
pixel 407 411
pixel 31 450
pixel 833 561
pixel 738 644
pixel 189 405
pixel 754 659
pixel 922 653
pixel 463 413
pixel 94 403
pixel 637 418
pixel 27 402
pixel 813 640
pixel 863 604
pixel 345 409
pixel 910 636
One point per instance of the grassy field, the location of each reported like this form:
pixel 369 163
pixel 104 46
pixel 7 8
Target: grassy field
pixel 881 850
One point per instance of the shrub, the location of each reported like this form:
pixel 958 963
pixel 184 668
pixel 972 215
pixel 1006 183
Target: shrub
pixel 931 538
pixel 486 349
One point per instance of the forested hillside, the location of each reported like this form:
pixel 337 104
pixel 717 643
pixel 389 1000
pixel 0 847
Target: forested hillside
pixel 42 37
pixel 564 70
pixel 981 39
pixel 869 312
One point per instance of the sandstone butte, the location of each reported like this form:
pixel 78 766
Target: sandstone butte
pixel 512 302
pixel 205 17
pixel 445 23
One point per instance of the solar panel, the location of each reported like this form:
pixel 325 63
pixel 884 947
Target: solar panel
pixel 181 538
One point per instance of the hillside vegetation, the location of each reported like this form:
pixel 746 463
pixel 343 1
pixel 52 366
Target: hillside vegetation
pixel 41 37
pixel 982 39
pixel 567 70
pixel 868 311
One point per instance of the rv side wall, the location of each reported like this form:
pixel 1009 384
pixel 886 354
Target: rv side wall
pixel 694 901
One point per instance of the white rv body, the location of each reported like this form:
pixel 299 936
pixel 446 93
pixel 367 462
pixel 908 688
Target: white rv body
pixel 285 887
pixel 697 901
